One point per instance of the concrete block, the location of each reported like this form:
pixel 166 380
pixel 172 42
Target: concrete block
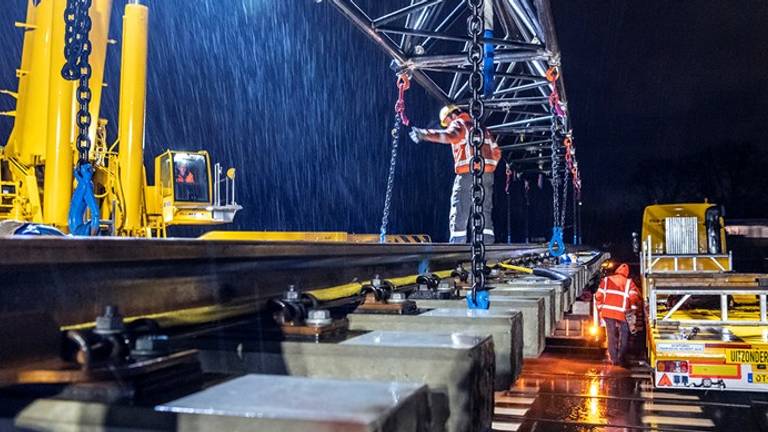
pixel 502 293
pixel 535 321
pixel 458 368
pixel 248 403
pixel 505 325
pixel 578 278
pixel 72 415
pixel 562 295
pixel 549 295
pixel 298 404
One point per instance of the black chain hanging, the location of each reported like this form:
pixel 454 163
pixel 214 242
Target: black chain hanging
pixel 77 50
pixel 476 139
pixel 566 175
pixel 390 178
pixel 559 169
pixel 556 170
pixel 403 84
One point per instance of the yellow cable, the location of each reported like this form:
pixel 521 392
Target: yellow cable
pixel 200 315
pixel 516 268
pixel 354 288
pixel 190 316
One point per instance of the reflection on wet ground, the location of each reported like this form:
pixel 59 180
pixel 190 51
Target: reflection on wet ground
pixel 556 393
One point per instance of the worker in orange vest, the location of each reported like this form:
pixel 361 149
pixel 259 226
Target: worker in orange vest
pixel 456 133
pixel 617 295
pixel 184 175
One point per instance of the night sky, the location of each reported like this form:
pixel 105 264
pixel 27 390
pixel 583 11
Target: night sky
pixel 669 103
pixel 300 103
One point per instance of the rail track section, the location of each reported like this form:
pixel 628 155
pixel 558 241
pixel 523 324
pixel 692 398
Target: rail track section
pixel 194 335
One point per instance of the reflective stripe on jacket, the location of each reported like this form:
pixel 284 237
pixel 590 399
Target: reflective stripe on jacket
pixel 457 135
pixel 615 295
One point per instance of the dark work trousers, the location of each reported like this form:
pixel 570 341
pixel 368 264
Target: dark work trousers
pixel 461 208
pixel 618 338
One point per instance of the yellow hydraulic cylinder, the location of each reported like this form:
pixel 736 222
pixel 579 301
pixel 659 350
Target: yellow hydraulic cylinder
pixel 31 127
pixel 101 12
pixel 57 189
pixel 133 90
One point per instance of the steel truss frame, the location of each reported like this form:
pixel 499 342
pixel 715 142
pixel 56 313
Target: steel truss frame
pixel 428 38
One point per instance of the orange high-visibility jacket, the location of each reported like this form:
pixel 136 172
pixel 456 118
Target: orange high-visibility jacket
pixel 457 135
pixel 617 294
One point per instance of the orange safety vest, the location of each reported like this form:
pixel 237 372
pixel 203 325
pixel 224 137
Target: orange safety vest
pixel 188 178
pixel 457 135
pixel 615 296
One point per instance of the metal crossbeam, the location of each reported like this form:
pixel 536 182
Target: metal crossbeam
pixel 432 45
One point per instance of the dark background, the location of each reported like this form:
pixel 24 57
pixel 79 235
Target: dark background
pixel 668 100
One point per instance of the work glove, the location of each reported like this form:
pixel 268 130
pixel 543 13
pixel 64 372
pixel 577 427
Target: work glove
pixel 417 134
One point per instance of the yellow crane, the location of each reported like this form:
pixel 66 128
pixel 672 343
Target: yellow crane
pixel 39 158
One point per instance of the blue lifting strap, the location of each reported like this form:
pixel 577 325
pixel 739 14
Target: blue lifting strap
pixel 482 300
pixel 83 199
pixel 488 68
pixel 557 244
pixel 37 230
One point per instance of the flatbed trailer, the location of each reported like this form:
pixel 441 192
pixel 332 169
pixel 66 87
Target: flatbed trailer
pixel 708 330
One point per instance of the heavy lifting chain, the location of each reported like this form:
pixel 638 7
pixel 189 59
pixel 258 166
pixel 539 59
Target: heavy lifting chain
pixel 559 170
pixel 403 84
pixel 77 50
pixel 476 139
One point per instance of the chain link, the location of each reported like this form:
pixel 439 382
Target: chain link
pixel 77 51
pixel 555 144
pixel 560 169
pixel 566 173
pixel 403 84
pixel 476 139
pixel 390 177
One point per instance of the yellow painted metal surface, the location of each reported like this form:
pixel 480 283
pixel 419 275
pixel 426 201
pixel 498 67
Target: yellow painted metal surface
pixel 101 13
pixel 653 223
pixel 300 236
pixel 11 146
pixel 59 148
pixel 133 91
pixel 26 203
pixel 391 238
pixel 709 370
pixel 703 263
pixel 311 236
pixel 45 127
pixel 34 74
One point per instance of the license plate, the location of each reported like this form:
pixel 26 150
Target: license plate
pixel 746 356
pixel 760 378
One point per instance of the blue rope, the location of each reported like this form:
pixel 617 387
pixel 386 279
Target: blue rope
pixel 557 244
pixel 481 300
pixel 83 199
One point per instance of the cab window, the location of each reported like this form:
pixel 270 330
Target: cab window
pixel 165 175
pixel 190 178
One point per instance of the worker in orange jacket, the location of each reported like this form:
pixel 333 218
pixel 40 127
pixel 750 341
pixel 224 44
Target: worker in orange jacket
pixel 617 295
pixel 456 133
